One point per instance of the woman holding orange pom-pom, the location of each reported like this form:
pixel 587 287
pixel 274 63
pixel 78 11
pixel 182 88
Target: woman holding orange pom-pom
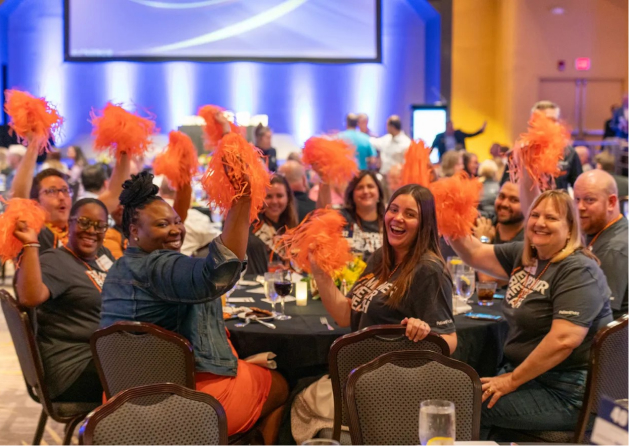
pixel 154 282
pixel 279 212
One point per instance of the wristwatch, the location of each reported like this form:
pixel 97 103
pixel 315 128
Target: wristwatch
pixel 484 239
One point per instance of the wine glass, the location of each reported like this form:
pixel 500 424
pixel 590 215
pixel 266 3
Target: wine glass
pixel 283 284
pixel 465 281
pixel 436 422
pixel 269 291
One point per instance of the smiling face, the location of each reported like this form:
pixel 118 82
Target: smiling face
pixel 507 205
pixel 366 195
pixel 276 201
pixel 86 242
pixel 158 227
pixel 402 221
pixel 54 196
pixel 547 229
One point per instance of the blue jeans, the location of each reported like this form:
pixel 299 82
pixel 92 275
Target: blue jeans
pixel 551 401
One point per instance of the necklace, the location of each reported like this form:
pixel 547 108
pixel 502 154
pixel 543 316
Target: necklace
pixel 393 272
pixel 78 258
pixel 591 244
pixel 532 288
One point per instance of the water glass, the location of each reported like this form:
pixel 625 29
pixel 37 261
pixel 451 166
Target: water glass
pixel 464 281
pixel 436 422
pixel 269 291
pixel 452 262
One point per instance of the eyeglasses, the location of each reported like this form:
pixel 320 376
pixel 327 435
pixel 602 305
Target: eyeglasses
pixel 53 191
pixel 84 224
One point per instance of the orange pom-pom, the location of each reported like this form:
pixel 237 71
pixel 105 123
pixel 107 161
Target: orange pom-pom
pixel 456 203
pixel 416 169
pixel 120 131
pixel 18 209
pixel 213 128
pixel 334 159
pixel 322 234
pixel 245 165
pixel 33 119
pixel 539 150
pixel 179 162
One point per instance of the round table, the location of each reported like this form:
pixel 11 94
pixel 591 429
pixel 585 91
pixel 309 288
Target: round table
pixel 302 343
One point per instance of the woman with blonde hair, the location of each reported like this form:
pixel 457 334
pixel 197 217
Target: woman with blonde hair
pixel 451 163
pixel 556 301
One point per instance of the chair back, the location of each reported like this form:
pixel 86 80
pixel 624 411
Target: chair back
pixel 25 344
pixel 607 374
pixel 132 354
pixel 384 395
pixel 157 414
pixel 360 347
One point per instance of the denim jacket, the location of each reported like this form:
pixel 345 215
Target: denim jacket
pixel 178 293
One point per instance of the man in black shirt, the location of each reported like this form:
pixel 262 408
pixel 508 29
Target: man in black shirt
pixel 295 175
pixel 596 198
pixel 453 139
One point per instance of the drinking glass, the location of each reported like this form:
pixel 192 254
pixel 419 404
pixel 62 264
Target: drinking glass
pixel 436 422
pixel 283 284
pixel 269 291
pixel 485 292
pixel 452 262
pixel 465 281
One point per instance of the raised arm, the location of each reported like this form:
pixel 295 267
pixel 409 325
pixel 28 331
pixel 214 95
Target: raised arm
pixel 337 305
pixel 30 288
pixel 119 175
pixel 480 256
pixel 23 181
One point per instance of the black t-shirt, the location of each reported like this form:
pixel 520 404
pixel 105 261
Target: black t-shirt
pixel 270 156
pixel 67 320
pixel 519 237
pixel 48 240
pixel 364 237
pixel 573 289
pixel 304 205
pixel 259 247
pixel 611 249
pixel 429 298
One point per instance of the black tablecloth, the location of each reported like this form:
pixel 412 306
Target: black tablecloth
pixel 302 343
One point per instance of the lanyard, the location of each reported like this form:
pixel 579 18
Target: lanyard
pixel 78 258
pixel 603 230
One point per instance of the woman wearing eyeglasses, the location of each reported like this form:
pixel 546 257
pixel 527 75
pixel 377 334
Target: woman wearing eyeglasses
pixel 64 285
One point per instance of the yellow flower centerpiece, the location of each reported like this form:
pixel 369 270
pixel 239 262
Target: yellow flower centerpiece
pixel 350 274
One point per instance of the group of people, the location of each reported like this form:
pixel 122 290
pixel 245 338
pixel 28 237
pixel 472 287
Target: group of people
pixel 563 262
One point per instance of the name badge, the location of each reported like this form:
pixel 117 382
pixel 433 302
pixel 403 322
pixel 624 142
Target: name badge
pixel 610 426
pixel 104 262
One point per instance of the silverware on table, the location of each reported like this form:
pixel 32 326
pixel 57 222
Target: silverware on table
pixel 240 324
pixel 324 321
pixel 266 324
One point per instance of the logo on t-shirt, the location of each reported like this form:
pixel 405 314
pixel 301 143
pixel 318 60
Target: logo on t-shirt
pixel 517 285
pixel 361 241
pixel 97 278
pixel 365 290
pixel 266 233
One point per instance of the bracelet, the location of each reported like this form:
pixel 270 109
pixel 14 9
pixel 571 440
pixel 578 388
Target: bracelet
pixel 31 245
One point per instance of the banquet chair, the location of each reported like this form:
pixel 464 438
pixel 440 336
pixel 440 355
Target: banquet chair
pixel 156 414
pixel 358 348
pixel 132 354
pixel 68 413
pixel 607 376
pixel 384 395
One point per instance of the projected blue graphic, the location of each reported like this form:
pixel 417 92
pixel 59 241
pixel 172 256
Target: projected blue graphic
pixel 223 29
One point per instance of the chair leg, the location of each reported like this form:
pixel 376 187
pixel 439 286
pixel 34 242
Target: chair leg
pixel 41 425
pixel 69 429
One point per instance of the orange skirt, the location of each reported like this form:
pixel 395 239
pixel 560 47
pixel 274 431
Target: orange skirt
pixel 242 396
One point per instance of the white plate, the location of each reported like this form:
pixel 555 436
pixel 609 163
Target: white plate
pixel 264 319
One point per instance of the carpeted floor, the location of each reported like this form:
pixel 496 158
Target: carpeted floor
pixel 18 412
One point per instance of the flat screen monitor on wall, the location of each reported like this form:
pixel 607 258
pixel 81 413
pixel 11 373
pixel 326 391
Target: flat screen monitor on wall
pixel 262 30
pixel 428 121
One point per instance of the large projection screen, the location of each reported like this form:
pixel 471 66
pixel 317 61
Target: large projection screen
pixel 222 30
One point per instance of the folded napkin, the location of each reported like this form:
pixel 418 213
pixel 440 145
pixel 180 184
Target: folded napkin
pixel 286 299
pixel 263 360
pixel 235 300
pixel 459 306
pixel 230 309
pixel 259 290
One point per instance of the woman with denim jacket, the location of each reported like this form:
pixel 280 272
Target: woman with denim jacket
pixel 153 282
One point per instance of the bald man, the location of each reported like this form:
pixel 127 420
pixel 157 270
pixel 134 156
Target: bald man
pixel 605 229
pixel 295 175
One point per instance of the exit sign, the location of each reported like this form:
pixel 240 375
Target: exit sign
pixel 582 63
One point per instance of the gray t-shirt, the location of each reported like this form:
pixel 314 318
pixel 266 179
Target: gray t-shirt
pixel 363 236
pixel 429 299
pixel 573 289
pixel 67 320
pixel 611 249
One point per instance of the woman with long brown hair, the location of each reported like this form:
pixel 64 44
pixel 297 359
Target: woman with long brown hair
pixel 556 301
pixel 280 212
pixel 406 281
